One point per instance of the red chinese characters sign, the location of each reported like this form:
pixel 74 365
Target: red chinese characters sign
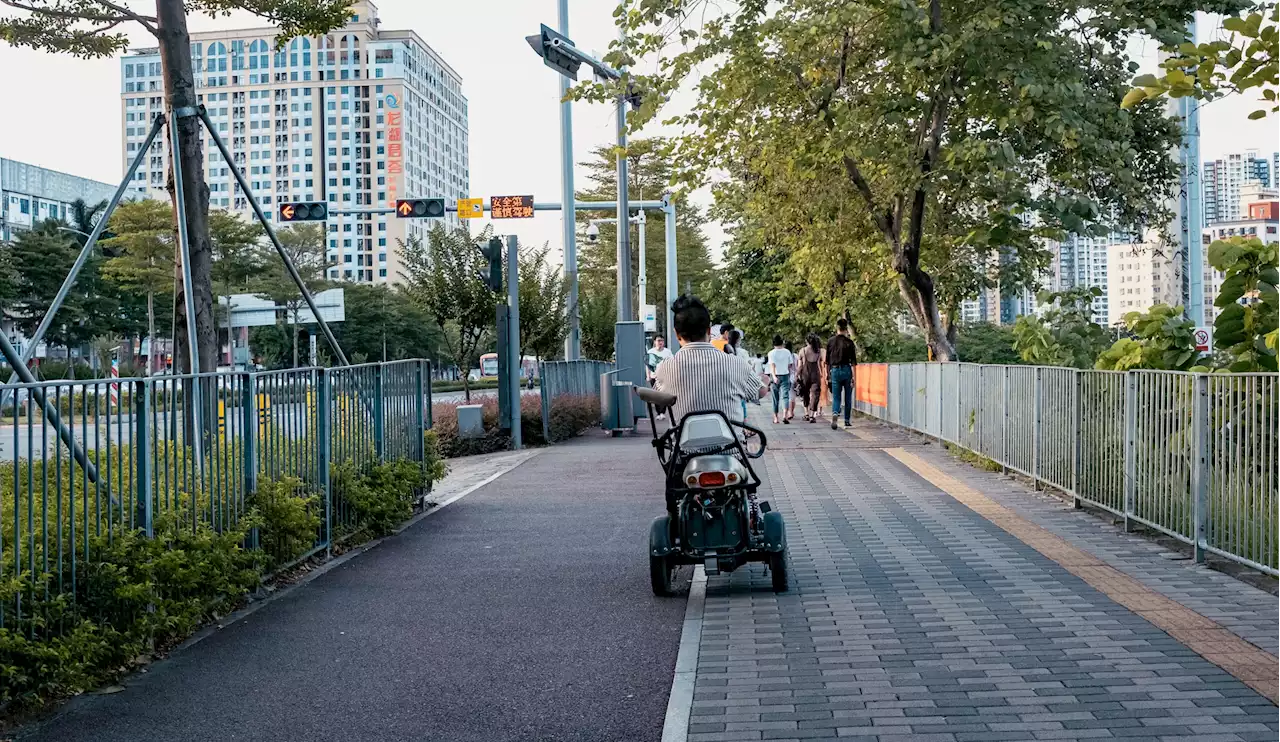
pixel 511 207
pixel 395 154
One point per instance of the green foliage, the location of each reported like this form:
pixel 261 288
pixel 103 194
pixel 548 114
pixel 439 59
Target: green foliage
pixel 543 291
pixel 305 244
pixel 381 497
pixel 1247 332
pixel 898 348
pixel 904 144
pixel 649 173
pixel 379 317
pixel 442 278
pixel 1163 339
pixel 132 594
pixel 1245 61
pixel 1066 334
pixel 289 516
pixel 87 28
pixel 983 342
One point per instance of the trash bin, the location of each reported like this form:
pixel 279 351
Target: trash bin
pixel 617 403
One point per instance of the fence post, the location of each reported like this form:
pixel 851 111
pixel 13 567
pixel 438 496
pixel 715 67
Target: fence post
pixel 1075 438
pixel 1200 464
pixel 977 411
pixel 420 448
pixel 249 431
pixel 430 413
pixel 1130 448
pixel 961 424
pixel 1004 423
pixel 323 423
pixel 1035 435
pixel 544 398
pixel 142 412
pixel 379 415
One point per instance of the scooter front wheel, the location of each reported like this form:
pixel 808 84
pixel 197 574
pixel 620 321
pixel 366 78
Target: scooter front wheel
pixel 660 570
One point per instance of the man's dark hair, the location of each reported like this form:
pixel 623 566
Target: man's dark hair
pixel 842 324
pixel 725 328
pixel 659 337
pixel 777 341
pixel 690 317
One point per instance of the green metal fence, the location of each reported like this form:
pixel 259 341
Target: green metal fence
pixel 143 470
pixel 1191 455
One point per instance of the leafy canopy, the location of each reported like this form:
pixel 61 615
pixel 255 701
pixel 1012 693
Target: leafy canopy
pixel 89 28
pixel 949 131
pixel 1065 334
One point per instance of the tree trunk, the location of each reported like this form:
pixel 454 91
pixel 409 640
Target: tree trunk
pixel 916 288
pixel 179 83
pixel 151 332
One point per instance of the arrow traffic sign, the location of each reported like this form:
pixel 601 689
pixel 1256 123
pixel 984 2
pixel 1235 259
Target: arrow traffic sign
pixel 417 208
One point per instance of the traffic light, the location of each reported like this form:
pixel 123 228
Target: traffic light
pixel 304 211
pixel 493 253
pixel 416 208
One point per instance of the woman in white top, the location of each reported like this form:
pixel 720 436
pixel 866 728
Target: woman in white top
pixel 781 367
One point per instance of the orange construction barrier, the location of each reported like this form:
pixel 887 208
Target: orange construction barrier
pixel 871 384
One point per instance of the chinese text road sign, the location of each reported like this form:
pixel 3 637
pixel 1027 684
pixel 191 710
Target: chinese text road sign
pixel 511 207
pixel 470 208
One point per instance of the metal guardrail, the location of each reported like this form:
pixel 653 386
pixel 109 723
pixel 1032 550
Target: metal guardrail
pixel 1191 455
pixel 259 427
pixel 577 378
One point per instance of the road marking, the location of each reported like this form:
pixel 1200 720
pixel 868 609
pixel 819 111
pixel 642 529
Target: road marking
pixel 680 701
pixel 1253 666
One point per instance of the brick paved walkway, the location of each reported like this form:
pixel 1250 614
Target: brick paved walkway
pixel 911 617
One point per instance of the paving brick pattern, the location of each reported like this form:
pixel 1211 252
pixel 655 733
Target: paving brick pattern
pixel 913 618
pixel 1250 613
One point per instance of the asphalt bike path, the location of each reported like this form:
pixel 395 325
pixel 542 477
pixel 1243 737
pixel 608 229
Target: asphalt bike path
pixel 520 612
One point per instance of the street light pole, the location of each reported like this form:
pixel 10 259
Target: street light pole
pixel 573 341
pixel 624 227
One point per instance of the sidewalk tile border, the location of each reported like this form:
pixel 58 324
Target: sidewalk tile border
pixel 675 728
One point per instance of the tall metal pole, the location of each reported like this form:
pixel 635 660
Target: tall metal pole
pixel 669 210
pixel 513 337
pixel 573 341
pixel 1191 202
pixel 192 392
pixel 642 278
pixel 624 228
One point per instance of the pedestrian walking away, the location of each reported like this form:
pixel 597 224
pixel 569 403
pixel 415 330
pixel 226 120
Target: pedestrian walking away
pixel 841 360
pixel 657 353
pixel 733 348
pixel 781 365
pixel 809 376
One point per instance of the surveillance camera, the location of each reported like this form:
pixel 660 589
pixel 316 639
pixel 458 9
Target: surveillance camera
pixel 593 233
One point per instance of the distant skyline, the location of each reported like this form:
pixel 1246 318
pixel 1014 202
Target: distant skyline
pixel 67 112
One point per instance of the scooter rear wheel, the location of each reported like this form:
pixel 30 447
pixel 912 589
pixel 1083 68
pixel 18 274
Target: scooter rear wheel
pixel 778 571
pixel 660 569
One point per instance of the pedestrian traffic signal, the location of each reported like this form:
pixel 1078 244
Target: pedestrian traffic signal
pixel 304 211
pixel 417 208
pixel 493 253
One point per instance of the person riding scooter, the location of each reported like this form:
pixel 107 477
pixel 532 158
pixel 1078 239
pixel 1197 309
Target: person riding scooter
pixel 702 377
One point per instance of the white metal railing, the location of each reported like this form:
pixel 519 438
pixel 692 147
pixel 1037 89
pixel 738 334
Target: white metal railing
pixel 1191 455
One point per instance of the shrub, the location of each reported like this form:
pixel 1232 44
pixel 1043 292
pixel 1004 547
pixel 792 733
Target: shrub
pixel 381 498
pixel 570 416
pixel 289 518
pixel 133 594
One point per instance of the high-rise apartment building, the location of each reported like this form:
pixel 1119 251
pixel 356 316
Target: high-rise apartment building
pixel 1223 178
pixel 29 194
pixel 357 118
pixel 1143 274
pixel 1082 261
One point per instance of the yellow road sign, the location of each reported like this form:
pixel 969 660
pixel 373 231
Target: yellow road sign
pixel 470 208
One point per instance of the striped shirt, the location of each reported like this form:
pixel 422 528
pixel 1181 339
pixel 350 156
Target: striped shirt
pixel 706 379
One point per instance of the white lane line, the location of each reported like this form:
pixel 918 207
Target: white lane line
pixel 680 702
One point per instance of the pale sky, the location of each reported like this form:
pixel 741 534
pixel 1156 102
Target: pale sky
pixel 64 113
